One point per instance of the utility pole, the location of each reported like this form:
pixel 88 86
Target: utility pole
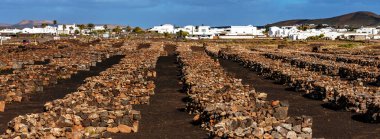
pixel 1 40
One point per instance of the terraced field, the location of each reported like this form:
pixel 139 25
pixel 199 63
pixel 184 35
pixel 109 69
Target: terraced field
pixel 165 89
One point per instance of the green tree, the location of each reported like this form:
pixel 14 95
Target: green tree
pixel 76 32
pixel 316 37
pixel 71 29
pixel 105 27
pixel 138 30
pixel 81 27
pixel 55 22
pixel 182 34
pixel 128 29
pixel 117 30
pixel 90 26
pixel 319 26
pixel 64 27
pixel 303 28
pixel 43 25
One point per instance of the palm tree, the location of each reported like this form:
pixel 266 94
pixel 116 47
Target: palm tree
pixel 128 29
pixel 117 30
pixel 90 26
pixel 81 27
pixel 71 28
pixel 55 22
pixel 43 25
pixel 105 27
pixel 64 27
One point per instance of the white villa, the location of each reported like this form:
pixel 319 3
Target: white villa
pixel 371 31
pixel 166 28
pixel 67 29
pixel 284 31
pixel 99 28
pixel 10 31
pixel 45 30
pixel 208 32
pixel 292 33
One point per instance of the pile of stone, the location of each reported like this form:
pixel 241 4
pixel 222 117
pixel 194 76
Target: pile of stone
pixel 63 64
pixel 101 106
pixel 229 109
pixel 360 60
pixel 351 95
pixel 327 67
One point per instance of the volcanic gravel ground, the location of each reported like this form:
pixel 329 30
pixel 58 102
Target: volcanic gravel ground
pixel 164 116
pixel 327 123
pixel 35 102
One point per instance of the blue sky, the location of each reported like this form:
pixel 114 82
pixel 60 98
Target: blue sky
pixel 147 13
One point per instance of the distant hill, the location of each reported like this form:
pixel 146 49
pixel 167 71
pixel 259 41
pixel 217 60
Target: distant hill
pixel 356 19
pixel 4 25
pixel 31 23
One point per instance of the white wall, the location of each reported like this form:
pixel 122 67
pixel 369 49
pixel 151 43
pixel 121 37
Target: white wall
pixel 46 30
pixel 166 28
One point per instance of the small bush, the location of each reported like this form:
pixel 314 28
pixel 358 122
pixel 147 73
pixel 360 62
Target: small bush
pixel 350 45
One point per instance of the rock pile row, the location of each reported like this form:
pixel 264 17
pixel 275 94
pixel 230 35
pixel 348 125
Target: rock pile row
pixel 100 106
pixel 351 95
pixel 35 54
pixel 32 78
pixel 360 60
pixel 229 109
pixel 328 67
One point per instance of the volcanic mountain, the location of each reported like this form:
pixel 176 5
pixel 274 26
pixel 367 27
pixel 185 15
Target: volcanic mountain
pixel 31 23
pixel 356 19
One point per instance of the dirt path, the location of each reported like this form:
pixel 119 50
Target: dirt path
pixel 37 101
pixel 163 118
pixel 326 122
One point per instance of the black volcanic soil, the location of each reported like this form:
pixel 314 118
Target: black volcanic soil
pixel 327 123
pixel 36 102
pixel 163 117
pixel 143 46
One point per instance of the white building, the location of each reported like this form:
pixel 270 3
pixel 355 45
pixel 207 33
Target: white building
pixel 239 31
pixel 284 31
pixel 67 29
pixel 98 28
pixel 328 33
pixel 207 32
pixel 45 30
pixel 342 30
pixel 10 31
pixel 372 31
pixel 202 32
pixel 166 28
pixel 4 38
pixel 189 28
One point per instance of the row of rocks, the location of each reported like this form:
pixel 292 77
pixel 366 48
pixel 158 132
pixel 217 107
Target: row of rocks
pixel 351 95
pixel 360 60
pixel 229 109
pixel 15 87
pixel 328 67
pixel 101 106
pixel 35 54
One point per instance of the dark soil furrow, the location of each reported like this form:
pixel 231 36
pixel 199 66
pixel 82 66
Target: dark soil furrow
pixel 163 117
pixel 35 102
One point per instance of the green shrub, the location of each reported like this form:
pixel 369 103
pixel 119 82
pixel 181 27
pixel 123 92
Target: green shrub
pixel 350 45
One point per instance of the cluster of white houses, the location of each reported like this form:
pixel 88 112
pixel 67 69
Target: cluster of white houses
pixel 249 32
pixel 207 32
pixel 293 33
pixel 53 30
pixel 222 32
